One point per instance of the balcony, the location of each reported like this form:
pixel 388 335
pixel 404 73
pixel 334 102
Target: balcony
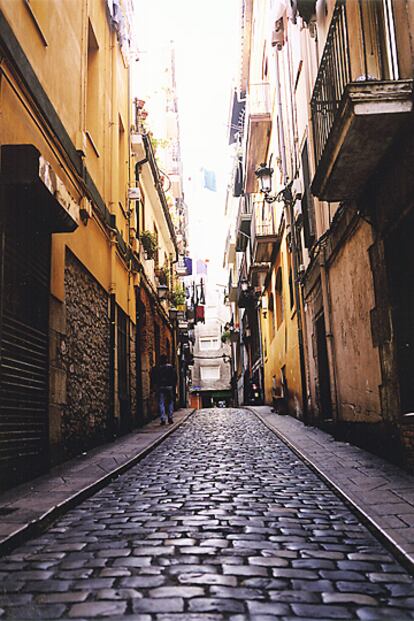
pixel 358 102
pixel 244 217
pixel 264 237
pixel 259 124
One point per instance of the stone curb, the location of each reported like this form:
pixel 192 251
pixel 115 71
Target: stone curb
pixel 39 524
pixel 400 554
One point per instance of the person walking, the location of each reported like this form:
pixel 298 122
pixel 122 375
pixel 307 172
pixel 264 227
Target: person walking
pixel 165 380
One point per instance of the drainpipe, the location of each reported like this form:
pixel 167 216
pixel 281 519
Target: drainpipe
pixel 112 352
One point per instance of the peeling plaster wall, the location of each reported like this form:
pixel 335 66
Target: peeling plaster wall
pixel 357 361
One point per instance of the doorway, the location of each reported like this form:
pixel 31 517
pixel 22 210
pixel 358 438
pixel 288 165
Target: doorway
pixel 400 260
pixel 325 401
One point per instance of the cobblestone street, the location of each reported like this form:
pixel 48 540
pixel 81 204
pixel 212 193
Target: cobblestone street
pixel 221 521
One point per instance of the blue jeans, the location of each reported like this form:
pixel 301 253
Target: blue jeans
pixel 165 398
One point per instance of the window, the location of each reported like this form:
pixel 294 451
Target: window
pixel 380 54
pixel 209 343
pixel 307 203
pixel 122 160
pixel 210 373
pixel 279 298
pixel 92 90
pixel 291 293
pixel 271 316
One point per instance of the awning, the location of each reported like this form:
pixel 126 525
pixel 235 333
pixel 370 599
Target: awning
pixel 35 189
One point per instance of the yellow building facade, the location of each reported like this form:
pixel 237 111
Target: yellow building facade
pixel 71 264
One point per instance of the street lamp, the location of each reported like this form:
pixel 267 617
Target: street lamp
pixel 162 292
pixel 264 174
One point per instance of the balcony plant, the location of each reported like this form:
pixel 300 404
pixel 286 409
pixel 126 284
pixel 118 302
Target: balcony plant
pixel 149 243
pixel 178 297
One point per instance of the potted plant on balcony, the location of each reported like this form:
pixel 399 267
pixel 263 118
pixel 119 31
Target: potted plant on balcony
pixel 149 243
pixel 179 298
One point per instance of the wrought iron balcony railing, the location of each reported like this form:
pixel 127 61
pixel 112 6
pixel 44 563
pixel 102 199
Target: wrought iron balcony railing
pixel 361 50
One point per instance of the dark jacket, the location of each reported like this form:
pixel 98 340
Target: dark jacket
pixel 164 376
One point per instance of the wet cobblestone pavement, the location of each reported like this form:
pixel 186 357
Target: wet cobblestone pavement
pixel 222 521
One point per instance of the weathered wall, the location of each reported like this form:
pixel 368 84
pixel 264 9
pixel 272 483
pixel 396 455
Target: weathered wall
pixel 313 306
pixel 358 372
pixel 86 359
pixel 280 343
pixel 133 372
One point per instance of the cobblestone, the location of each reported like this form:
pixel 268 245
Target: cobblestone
pixel 220 522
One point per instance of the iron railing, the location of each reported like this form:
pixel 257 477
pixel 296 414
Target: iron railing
pixel 373 58
pixel 333 76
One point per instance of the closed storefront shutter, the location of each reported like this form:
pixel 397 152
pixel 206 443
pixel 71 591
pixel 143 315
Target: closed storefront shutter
pixel 25 274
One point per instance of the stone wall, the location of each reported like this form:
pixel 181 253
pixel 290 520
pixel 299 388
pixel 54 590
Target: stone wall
pixel 86 359
pixel 133 373
pixel 147 353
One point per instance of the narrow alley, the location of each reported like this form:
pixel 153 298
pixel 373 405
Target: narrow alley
pixel 206 310
pixel 221 521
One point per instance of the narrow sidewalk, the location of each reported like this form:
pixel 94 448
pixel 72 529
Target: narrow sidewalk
pixel 29 507
pixel 380 492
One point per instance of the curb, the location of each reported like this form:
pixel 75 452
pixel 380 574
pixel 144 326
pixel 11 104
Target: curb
pixel 398 552
pixel 39 524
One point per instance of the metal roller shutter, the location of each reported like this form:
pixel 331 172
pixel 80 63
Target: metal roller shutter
pixel 25 273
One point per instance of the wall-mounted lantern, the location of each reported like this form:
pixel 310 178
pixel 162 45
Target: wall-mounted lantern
pixel 162 291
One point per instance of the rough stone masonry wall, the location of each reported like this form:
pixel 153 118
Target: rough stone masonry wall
pixel 133 372
pixel 147 353
pixel 86 360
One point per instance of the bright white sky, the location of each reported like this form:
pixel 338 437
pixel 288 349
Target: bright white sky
pixel 206 39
